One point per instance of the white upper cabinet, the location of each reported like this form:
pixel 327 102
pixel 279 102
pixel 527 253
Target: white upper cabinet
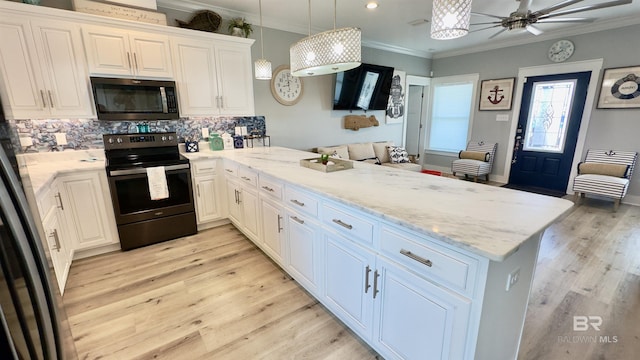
pixel 121 52
pixel 42 68
pixel 214 77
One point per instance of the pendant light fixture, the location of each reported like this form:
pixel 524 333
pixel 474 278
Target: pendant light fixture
pixel 262 66
pixel 450 19
pixel 326 52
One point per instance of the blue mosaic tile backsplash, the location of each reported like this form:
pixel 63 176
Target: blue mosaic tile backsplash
pixel 83 134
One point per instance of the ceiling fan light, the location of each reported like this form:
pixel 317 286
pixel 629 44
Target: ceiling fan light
pixel 450 19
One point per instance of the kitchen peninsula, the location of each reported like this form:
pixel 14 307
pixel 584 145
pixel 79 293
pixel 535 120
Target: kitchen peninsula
pixel 417 265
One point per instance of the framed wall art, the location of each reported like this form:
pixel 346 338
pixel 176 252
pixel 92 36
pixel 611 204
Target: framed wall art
pixel 496 94
pixel 395 107
pixel 620 88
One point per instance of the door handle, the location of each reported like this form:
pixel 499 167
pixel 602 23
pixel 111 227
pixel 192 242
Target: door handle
pixel 376 275
pixel 366 279
pixel 54 233
pixel 44 101
pixel 198 189
pixel 135 61
pixel 50 98
pixel 61 206
pixel 279 224
pixel 129 59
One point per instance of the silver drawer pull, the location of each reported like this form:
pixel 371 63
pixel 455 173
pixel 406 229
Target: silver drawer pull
pixel 296 219
pixel 415 257
pixel 297 202
pixel 61 206
pixel 245 178
pixel 228 170
pixel 54 234
pixel 267 188
pixel 343 224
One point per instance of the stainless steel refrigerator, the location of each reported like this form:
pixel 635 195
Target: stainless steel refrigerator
pixel 33 323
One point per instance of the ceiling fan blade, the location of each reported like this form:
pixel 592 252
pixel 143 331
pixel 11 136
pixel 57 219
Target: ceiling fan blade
pixel 585 8
pixel 555 7
pixel 566 20
pixel 498 33
pixel 487 15
pixel 534 30
pixel 486 28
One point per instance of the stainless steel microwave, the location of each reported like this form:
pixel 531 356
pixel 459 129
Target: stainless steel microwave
pixel 134 100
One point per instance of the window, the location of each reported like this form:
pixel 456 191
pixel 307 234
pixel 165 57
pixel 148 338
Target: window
pixel 452 108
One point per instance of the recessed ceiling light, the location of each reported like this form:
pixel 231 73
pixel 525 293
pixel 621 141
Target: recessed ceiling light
pixel 372 5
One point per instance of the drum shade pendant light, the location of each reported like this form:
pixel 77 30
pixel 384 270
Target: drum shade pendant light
pixel 326 52
pixel 450 19
pixel 262 66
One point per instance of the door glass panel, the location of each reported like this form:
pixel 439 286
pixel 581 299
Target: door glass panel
pixel 548 117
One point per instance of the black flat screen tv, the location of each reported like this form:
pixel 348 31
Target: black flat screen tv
pixel 366 87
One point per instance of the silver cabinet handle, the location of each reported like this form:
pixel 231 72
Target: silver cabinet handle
pixel 44 101
pixel 135 61
pixel 54 233
pixel 415 257
pixel 228 170
pixel 51 99
pixel 366 279
pixel 279 224
pixel 343 224
pixel 376 275
pixel 198 189
pixel 297 202
pixel 296 219
pixel 239 196
pixel 236 195
pixel 267 188
pixel 245 178
pixel 61 206
pixel 129 59
pixel 221 102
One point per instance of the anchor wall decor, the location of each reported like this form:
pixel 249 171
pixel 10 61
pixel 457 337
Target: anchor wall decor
pixel 496 94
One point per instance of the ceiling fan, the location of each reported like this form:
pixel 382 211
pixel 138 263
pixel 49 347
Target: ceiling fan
pixel 524 18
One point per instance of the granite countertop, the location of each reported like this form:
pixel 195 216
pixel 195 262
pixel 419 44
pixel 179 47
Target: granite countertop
pixel 486 220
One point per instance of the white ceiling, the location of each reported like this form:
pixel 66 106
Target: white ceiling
pixel 387 27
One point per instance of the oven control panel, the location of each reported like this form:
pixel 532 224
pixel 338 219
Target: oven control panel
pixel 146 140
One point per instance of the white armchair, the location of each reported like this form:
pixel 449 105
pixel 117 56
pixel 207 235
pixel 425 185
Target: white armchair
pixel 606 173
pixel 470 164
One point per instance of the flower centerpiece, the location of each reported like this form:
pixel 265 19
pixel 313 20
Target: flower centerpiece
pixel 239 27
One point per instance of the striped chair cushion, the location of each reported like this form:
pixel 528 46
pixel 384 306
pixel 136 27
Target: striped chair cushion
pixel 602 185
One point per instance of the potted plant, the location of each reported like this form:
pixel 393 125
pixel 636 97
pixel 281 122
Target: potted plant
pixel 239 27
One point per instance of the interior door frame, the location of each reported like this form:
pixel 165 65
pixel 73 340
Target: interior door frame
pixel 425 82
pixel 595 66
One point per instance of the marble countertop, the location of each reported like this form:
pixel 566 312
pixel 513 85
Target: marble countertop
pixel 486 220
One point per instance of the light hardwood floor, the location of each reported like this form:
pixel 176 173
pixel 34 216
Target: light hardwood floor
pixel 216 296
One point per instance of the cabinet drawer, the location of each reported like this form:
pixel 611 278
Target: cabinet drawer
pixel 343 220
pixel 230 168
pixel 204 167
pixel 437 263
pixel 270 187
pixel 248 176
pixel 301 201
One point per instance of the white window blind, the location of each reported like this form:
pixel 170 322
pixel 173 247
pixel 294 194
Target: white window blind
pixel 453 100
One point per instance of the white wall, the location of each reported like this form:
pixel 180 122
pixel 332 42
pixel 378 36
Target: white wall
pixel 608 128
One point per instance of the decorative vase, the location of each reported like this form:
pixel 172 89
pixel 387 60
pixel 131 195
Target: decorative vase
pixel 236 31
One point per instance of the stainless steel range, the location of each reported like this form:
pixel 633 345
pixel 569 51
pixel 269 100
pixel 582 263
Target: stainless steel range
pixel 136 164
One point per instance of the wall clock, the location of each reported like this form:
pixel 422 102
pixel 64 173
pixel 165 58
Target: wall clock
pixel 561 50
pixel 286 88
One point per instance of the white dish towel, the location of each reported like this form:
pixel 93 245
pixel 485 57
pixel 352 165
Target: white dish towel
pixel 158 189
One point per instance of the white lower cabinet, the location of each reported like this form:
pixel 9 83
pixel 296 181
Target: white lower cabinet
pixel 415 319
pixel 273 229
pixel 85 201
pixel 349 283
pixel 244 208
pixel 205 185
pixel 56 236
pixel 304 250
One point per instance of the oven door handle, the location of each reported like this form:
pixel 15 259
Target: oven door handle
pixel 144 170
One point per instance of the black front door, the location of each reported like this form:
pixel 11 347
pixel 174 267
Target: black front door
pixel 548 125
